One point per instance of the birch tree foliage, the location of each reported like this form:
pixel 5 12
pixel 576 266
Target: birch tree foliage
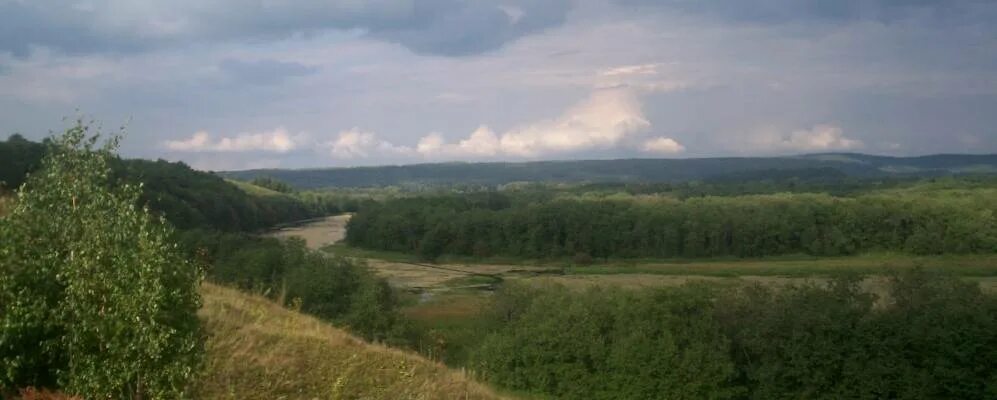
pixel 95 299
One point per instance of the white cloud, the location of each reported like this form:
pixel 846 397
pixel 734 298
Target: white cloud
pixel 823 137
pixel 430 144
pixel 601 121
pixel 482 142
pixel 199 141
pixel 355 143
pixel 607 119
pixel 662 145
pixel 820 137
pixel 276 141
pixel 646 78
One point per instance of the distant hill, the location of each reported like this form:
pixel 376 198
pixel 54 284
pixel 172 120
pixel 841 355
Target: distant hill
pixel 259 350
pixel 630 170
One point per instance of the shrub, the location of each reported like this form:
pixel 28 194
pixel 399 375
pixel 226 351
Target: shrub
pixel 94 298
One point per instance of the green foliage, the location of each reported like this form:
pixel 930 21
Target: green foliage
pixel 914 222
pixel 324 284
pixel 333 288
pixel 928 337
pixel 611 344
pixel 94 298
pixel 272 184
pixel 194 199
pixel 374 313
pixel 20 156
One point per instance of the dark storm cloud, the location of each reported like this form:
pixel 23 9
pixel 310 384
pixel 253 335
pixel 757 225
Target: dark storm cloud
pixel 23 25
pixel 440 27
pixel 782 11
pixel 472 27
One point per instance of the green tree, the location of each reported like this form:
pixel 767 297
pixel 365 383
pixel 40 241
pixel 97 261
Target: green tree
pixel 94 298
pixel 373 312
pixel 272 184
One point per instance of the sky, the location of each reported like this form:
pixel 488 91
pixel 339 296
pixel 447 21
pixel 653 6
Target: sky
pixel 240 84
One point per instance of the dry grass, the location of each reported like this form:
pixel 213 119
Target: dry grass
pixel 411 275
pixel 259 350
pixel 318 233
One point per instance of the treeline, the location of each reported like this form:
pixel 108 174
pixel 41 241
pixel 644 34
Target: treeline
pixel 930 337
pixel 825 180
pixel 18 157
pixel 488 224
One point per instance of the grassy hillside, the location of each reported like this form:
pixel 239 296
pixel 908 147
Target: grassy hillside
pixel 254 190
pixel 259 350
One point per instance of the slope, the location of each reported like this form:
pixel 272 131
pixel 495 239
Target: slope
pixel 259 350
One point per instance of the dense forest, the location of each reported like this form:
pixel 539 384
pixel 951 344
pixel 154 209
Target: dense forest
pixel 497 223
pixel 631 170
pixel 928 337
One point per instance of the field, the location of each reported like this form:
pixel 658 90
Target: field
pixel 317 233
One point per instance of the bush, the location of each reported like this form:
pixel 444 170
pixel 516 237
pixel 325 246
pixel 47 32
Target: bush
pixel 608 344
pixel 94 298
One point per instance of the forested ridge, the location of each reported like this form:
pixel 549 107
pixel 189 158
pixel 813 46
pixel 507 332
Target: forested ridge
pixel 626 170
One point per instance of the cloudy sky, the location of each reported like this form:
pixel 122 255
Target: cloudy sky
pixel 234 84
